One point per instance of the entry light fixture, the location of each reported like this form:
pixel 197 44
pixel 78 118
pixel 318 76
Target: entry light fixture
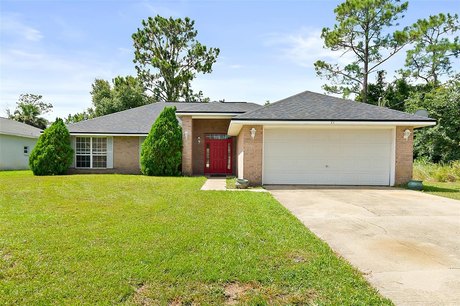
pixel 253 133
pixel 406 134
pixel 186 135
pixel 199 139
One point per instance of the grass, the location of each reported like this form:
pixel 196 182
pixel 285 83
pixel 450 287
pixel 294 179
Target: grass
pixel 439 179
pixel 122 239
pixel 230 182
pixel 448 190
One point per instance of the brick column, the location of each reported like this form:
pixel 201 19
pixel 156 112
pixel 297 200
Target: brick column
pixel 187 140
pixel 252 150
pixel 403 155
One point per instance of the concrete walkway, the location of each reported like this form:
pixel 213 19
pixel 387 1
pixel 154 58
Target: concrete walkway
pixel 220 183
pixel 215 183
pixel 406 243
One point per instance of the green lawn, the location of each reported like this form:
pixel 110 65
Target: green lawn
pixel 448 190
pixel 108 239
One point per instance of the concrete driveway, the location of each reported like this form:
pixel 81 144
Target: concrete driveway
pixel 406 243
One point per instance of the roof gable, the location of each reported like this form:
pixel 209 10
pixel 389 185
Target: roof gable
pixel 311 106
pixel 139 120
pixel 12 127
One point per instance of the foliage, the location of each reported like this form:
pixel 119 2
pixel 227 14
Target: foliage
pixel 52 154
pixel 440 143
pixel 430 58
pixel 85 115
pixel 28 110
pixel 162 149
pixel 392 95
pixel 362 30
pixel 441 172
pixel 169 47
pixel 126 93
pixel 131 239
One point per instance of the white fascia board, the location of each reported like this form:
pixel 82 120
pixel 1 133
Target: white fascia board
pixel 19 135
pixel 329 123
pixel 106 134
pixel 234 129
pixel 236 125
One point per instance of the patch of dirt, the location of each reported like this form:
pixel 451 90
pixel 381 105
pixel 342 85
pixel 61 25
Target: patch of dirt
pixel 234 291
pixel 175 303
pixel 140 297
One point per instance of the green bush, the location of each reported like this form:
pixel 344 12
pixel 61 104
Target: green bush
pixel 161 153
pixel 52 154
pixel 442 172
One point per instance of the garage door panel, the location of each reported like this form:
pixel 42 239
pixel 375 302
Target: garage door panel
pixel 327 157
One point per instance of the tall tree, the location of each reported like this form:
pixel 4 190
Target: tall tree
pixel 85 115
pixel 440 143
pixel 363 29
pixel 435 46
pixel 168 57
pixel 126 92
pixel 28 110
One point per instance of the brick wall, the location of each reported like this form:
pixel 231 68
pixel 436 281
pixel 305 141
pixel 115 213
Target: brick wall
pixel 404 156
pixel 187 145
pixel 125 157
pixel 126 154
pixel 249 151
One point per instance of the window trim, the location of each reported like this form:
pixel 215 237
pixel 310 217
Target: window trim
pixel 91 153
pixel 26 150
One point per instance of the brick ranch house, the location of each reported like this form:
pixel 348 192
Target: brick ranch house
pixel 308 138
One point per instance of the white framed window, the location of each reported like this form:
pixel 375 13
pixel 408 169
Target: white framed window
pixel 26 150
pixel 91 152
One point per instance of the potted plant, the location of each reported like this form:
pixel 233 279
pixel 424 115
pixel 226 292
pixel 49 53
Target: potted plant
pixel 241 183
pixel 415 185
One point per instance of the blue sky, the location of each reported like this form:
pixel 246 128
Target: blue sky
pixel 58 48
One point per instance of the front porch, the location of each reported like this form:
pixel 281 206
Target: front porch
pixel 207 149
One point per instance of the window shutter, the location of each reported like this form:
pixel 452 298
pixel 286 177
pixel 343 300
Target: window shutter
pixel 72 144
pixel 109 152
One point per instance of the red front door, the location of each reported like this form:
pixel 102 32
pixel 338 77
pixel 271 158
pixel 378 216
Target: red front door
pixel 218 156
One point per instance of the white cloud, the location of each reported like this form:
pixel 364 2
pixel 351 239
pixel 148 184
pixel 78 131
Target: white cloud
pixel 11 25
pixel 63 80
pixel 304 47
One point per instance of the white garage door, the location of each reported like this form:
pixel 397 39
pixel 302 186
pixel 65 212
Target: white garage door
pixel 327 156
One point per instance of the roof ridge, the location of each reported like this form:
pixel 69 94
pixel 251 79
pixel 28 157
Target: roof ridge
pixel 111 114
pixel 270 104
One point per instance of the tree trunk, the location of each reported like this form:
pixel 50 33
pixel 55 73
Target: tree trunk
pixel 366 58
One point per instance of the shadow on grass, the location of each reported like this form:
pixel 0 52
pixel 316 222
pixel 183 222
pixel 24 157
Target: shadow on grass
pixel 439 189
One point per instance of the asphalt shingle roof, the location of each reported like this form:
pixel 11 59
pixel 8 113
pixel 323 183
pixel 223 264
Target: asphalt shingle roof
pixel 12 127
pixel 139 120
pixel 311 106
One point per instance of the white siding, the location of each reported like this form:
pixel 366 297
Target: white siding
pixel 12 155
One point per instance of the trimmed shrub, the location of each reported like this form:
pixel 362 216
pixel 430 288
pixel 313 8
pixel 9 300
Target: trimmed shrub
pixel 161 153
pixel 53 153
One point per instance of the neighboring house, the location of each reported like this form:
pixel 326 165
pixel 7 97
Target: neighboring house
pixel 17 140
pixel 308 138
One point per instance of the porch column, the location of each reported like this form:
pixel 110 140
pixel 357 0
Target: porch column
pixel 251 149
pixel 187 140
